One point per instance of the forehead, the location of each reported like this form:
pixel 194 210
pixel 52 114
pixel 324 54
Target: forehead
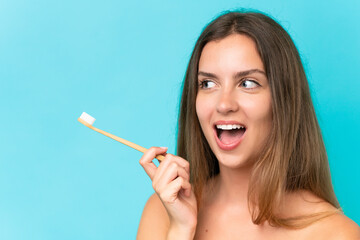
pixel 234 53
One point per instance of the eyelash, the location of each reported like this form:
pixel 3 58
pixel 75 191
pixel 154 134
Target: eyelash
pixel 202 82
pixel 257 84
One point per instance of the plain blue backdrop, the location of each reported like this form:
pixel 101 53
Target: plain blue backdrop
pixel 123 62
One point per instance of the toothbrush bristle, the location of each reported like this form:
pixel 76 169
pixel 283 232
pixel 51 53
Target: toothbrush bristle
pixel 87 118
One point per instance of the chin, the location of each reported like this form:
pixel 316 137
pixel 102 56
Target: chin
pixel 233 161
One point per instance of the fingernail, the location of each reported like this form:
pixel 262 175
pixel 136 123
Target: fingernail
pixel 163 148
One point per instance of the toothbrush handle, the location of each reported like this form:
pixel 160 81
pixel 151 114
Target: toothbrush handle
pixel 123 141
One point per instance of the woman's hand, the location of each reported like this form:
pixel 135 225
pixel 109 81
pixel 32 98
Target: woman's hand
pixel 171 183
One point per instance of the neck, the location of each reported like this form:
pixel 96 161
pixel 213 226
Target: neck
pixel 231 185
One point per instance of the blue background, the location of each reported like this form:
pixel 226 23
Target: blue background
pixel 123 62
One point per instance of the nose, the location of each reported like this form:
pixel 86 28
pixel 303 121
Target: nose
pixel 227 102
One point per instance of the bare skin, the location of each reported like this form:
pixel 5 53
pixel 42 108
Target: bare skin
pixel 172 213
pixel 230 220
pixel 217 221
pixel 171 184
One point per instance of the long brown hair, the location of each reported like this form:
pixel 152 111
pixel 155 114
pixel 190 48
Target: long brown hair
pixel 294 157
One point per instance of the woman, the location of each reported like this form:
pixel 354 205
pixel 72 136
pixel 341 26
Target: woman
pixel 251 160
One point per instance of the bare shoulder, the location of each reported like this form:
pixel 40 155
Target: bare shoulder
pixel 340 227
pixel 154 222
pixel 336 226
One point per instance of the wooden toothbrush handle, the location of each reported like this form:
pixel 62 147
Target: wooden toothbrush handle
pixel 123 141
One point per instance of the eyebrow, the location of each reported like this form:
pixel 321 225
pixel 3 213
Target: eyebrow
pixel 237 75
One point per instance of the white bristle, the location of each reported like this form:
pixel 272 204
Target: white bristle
pixel 87 118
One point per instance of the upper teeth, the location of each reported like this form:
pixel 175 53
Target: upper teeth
pixel 229 127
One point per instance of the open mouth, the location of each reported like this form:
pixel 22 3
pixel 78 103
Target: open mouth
pixel 229 136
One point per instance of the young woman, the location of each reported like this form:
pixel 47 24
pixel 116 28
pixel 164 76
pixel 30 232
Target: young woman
pixel 251 160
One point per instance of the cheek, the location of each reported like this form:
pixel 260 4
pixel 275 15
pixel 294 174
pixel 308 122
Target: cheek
pixel 203 110
pixel 258 111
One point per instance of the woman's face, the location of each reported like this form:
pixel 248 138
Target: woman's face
pixel 233 102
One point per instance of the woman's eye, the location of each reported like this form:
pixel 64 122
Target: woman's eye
pixel 206 84
pixel 249 84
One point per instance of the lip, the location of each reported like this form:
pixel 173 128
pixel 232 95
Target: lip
pixel 223 122
pixel 228 147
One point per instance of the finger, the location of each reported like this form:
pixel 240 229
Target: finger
pixel 175 170
pixel 186 188
pixel 169 158
pixel 169 172
pixel 182 162
pixel 170 193
pixel 163 166
pixel 146 161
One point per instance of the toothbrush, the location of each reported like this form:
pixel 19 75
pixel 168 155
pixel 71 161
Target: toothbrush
pixel 88 121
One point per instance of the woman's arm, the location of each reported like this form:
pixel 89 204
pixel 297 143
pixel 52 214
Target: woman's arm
pixel 172 212
pixel 154 223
